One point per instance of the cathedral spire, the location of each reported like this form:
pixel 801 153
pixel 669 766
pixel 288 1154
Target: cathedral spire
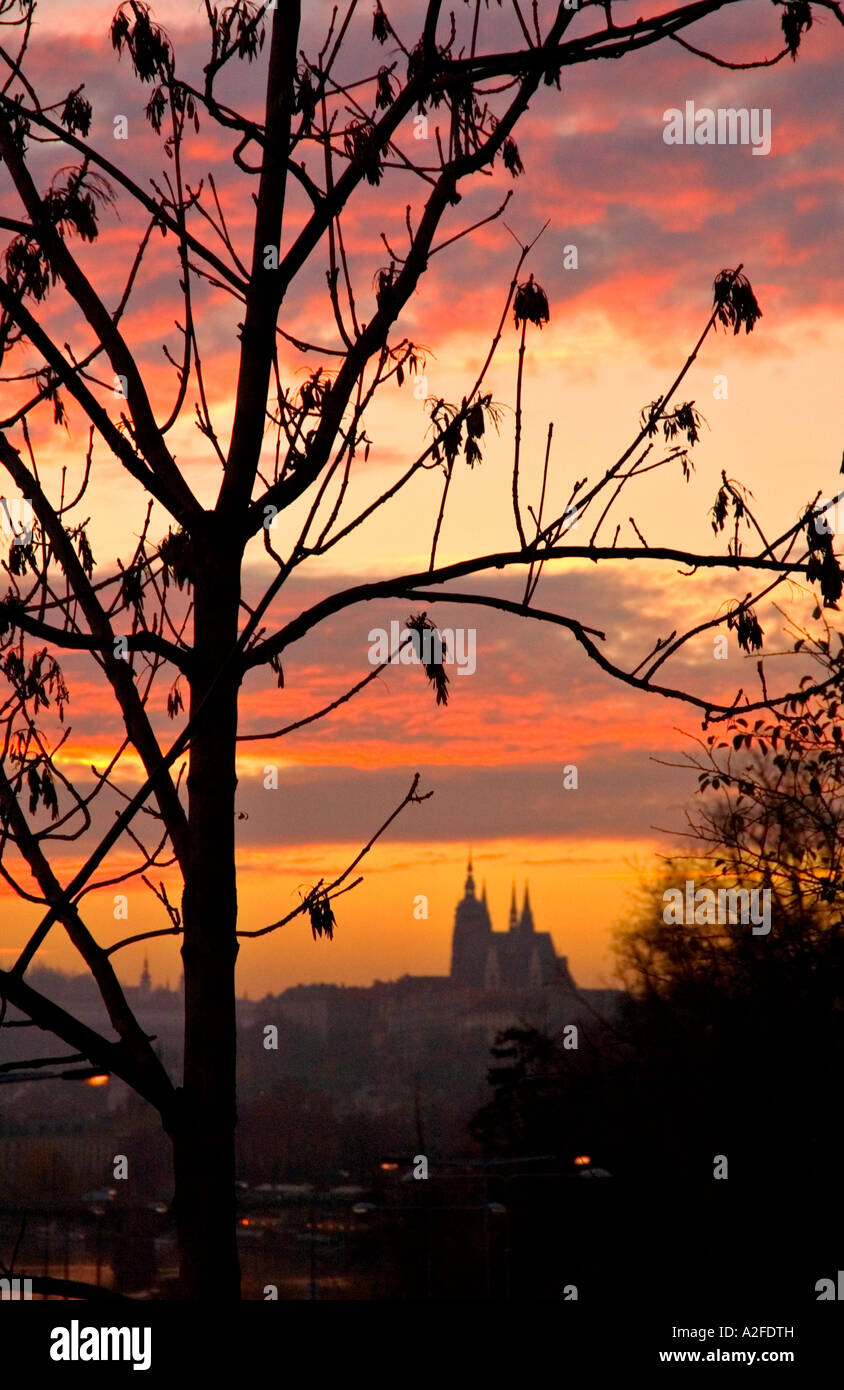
pixel 470 882
pixel 514 911
pixel 146 983
pixel 526 924
pixel 470 940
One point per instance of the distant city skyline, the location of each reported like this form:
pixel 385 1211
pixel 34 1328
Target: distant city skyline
pixel 572 897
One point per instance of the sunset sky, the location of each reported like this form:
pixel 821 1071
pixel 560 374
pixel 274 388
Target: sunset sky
pixel 653 224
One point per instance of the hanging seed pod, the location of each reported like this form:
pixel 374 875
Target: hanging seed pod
pixel 747 628
pixel 512 159
pixel 322 916
pixel 384 90
pixel 796 16
pixel 530 304
pixel 475 421
pixel 76 113
pixel 430 649
pixel 359 146
pixel 735 301
pixel 176 552
pixel 380 26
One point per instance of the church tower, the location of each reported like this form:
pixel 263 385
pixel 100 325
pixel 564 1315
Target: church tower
pixel 514 911
pixel 526 921
pixel 470 942
pixel 146 984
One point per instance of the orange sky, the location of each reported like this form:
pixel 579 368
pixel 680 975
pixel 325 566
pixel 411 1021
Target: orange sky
pixel 653 225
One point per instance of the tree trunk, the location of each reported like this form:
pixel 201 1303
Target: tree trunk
pixel 204 1127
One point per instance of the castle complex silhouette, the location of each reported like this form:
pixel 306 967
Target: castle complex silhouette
pixel 520 958
pixel 496 979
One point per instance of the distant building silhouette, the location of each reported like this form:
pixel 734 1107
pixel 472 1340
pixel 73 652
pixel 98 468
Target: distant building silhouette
pixel 520 958
pixel 497 979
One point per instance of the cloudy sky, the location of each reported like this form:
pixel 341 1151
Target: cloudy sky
pixel 652 225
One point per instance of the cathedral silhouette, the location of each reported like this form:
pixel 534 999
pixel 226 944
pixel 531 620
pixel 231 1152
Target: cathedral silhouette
pixel 520 958
pixel 497 980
